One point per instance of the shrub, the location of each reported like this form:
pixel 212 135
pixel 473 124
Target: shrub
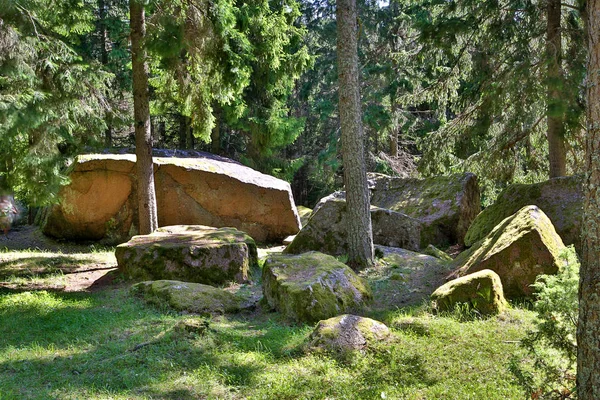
pixel 549 371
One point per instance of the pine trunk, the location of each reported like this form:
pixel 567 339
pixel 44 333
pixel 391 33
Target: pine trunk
pixel 358 216
pixel 104 45
pixel 588 327
pixel 556 133
pixel 148 220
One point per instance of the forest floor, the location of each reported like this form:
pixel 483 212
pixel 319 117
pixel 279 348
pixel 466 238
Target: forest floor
pixel 70 328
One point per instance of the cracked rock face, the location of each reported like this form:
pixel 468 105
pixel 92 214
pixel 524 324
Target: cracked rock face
pixel 100 203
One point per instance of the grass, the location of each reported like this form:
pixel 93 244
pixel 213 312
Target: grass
pixel 109 345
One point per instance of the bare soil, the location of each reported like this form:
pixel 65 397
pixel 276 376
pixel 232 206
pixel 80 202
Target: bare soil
pixel 31 261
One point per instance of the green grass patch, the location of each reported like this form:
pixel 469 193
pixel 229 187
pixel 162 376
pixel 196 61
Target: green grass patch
pixel 108 344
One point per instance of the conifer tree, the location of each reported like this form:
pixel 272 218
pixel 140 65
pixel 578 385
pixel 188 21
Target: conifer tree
pixel 358 215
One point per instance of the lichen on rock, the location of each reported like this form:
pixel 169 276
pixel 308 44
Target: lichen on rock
pixel 191 253
pixel 347 333
pixel 312 286
pixel 480 291
pixel 445 205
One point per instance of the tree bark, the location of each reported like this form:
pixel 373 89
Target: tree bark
pixel 588 327
pixel 555 114
pixel 148 220
pixel 358 216
pixel 215 134
pixel 104 46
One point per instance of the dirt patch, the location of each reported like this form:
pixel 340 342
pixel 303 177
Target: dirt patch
pixel 31 261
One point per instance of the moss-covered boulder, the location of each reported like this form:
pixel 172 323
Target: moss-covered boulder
pixel 433 251
pixel 348 332
pixel 480 291
pixel 186 296
pixel 445 205
pixel 312 286
pixel 191 253
pixel 326 229
pixel 518 249
pixel 561 199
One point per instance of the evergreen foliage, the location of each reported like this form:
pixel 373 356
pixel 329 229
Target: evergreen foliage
pixel 551 346
pixel 51 101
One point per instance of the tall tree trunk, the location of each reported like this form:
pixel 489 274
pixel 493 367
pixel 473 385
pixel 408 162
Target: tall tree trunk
pixel 148 220
pixel 555 111
pixel 358 216
pixel 588 327
pixel 104 45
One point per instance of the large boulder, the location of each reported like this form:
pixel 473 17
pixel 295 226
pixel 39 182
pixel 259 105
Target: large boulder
pixel 480 291
pixel 520 248
pixel 348 332
pixel 193 253
pixel 326 229
pixel 445 205
pixel 100 202
pixel 312 286
pixel 186 296
pixel 561 199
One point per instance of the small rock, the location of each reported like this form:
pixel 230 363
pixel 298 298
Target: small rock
pixel 190 297
pixel 480 291
pixel 348 332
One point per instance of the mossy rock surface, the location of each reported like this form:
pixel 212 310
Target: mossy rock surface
pixel 348 332
pixel 304 213
pixel 312 286
pixel 518 249
pixel 480 291
pixel 433 251
pixel 191 253
pixel 326 230
pixel 445 205
pixel 187 296
pixel 403 278
pixel 561 199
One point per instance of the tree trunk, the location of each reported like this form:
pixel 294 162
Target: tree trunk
pixel 104 45
pixel 588 327
pixel 215 134
pixel 358 216
pixel 148 220
pixel 555 110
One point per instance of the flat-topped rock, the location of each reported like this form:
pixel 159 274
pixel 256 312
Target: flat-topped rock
pixel 194 253
pixel 519 249
pixel 445 205
pixel 100 202
pixel 326 229
pixel 312 286
pixel 187 296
